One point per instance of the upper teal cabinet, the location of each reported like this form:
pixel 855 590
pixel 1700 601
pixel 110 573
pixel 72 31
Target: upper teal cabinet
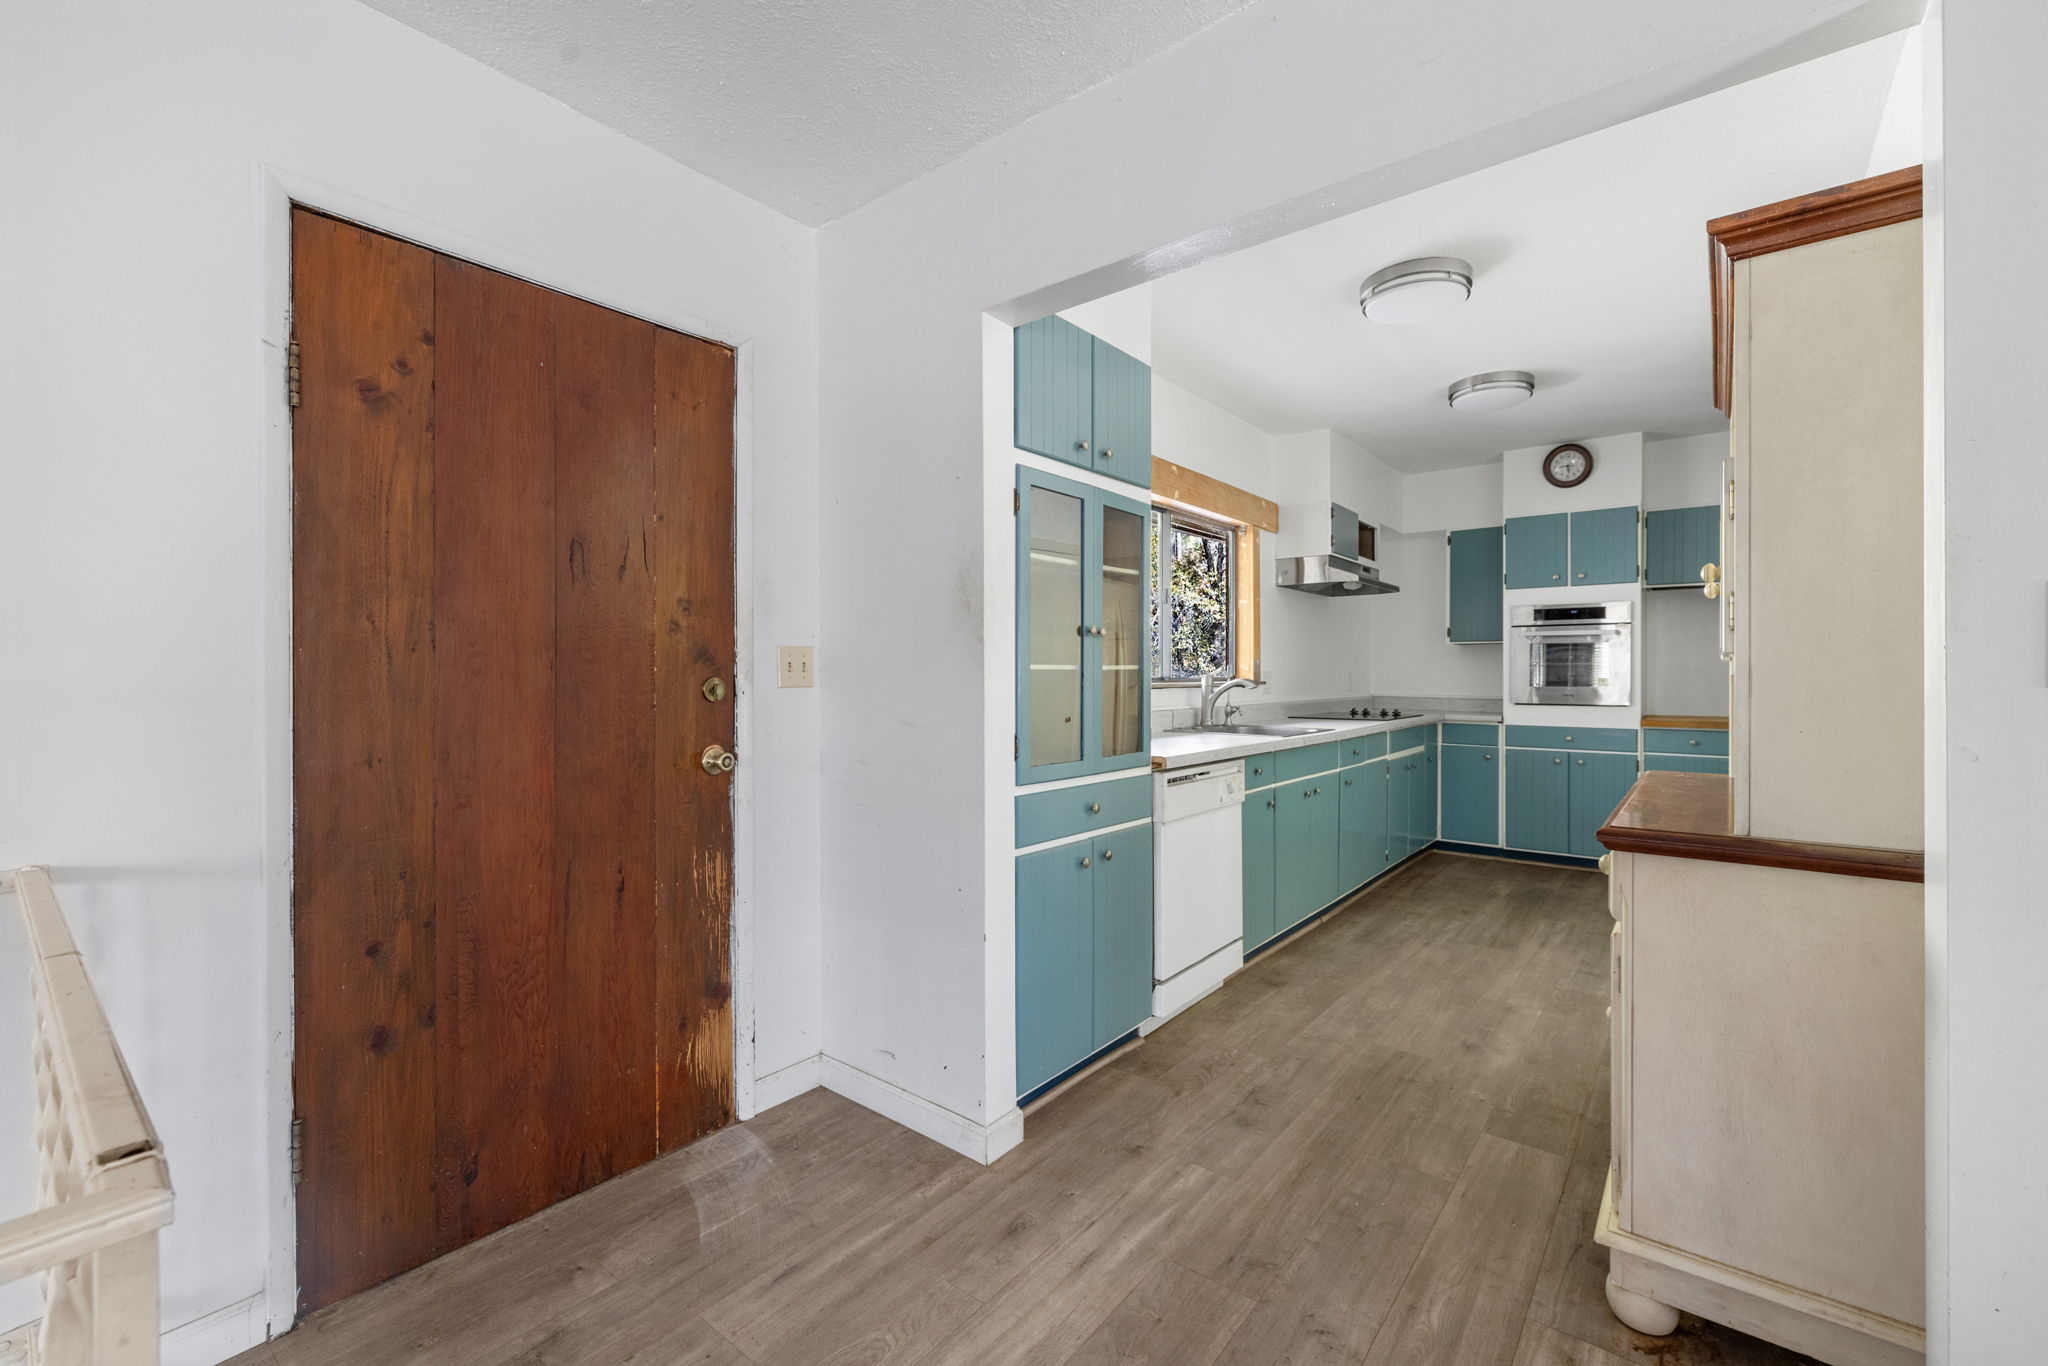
pixel 1604 546
pixel 1083 561
pixel 1083 401
pixel 1475 606
pixel 1678 543
pixel 1538 550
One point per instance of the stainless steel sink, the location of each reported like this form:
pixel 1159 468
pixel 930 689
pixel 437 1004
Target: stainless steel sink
pixel 1262 730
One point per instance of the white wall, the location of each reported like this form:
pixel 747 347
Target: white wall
pixel 1683 471
pixel 1255 127
pixel 1452 500
pixel 1410 657
pixel 1987 687
pixel 1123 319
pixel 1899 135
pixel 145 682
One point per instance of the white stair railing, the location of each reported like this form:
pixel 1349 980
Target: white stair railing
pixel 103 1190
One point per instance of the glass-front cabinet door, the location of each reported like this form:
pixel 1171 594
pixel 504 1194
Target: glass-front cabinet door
pixel 1083 695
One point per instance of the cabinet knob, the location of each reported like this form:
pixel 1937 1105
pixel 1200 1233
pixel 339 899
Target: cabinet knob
pixel 1108 854
pixel 1694 743
pixel 1347 782
pixel 1553 577
pixel 1095 808
pixel 1080 445
pixel 1108 454
pixel 1486 758
pixel 1557 761
pixel 1581 763
pixel 1567 739
pixel 1087 862
pixel 1582 573
pixel 1270 803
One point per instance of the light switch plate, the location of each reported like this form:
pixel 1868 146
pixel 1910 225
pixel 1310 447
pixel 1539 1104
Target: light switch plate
pixel 793 666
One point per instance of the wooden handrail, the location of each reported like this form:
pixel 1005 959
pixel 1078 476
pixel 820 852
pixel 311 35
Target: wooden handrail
pixel 104 1189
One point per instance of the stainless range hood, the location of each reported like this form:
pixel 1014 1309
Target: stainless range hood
pixel 1348 571
pixel 1333 576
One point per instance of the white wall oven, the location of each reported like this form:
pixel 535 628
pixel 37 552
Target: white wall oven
pixel 1570 655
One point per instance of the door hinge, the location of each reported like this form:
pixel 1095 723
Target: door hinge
pixel 291 373
pixel 1447 633
pixel 1016 502
pixel 298 1149
pixel 1016 749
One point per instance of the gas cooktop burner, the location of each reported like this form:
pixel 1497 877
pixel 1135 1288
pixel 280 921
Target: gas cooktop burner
pixel 1354 714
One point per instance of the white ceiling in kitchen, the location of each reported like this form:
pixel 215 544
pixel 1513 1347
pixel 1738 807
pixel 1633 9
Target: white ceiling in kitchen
pixel 1591 271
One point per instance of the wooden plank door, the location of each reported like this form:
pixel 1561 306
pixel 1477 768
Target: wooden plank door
pixel 512 577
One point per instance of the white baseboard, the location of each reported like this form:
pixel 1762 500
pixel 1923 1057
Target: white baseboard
pixel 787 1083
pixel 215 1337
pixel 982 1142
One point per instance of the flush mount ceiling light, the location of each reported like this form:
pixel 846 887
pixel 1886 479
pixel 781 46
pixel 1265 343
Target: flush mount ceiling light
pixel 1415 291
pixel 1492 391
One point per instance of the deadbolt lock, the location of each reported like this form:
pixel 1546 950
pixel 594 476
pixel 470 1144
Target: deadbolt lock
pixel 714 690
pixel 718 759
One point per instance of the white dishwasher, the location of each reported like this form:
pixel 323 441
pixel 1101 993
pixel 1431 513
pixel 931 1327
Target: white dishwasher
pixel 1197 884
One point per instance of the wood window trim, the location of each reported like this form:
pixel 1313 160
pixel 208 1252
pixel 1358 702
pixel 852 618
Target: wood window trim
pixel 1858 206
pixel 1187 490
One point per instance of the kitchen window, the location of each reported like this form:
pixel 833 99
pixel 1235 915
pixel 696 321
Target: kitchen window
pixel 1194 596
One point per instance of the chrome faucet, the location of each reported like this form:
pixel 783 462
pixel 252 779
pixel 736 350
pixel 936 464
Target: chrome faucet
pixel 1211 691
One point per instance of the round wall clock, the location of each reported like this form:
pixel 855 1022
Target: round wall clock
pixel 1568 466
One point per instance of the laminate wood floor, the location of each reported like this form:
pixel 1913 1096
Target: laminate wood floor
pixel 1382 1143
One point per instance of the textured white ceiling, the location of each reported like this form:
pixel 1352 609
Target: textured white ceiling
pixel 811 108
pixel 1591 271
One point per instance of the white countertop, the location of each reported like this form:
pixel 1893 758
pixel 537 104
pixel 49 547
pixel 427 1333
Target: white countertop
pixel 1182 748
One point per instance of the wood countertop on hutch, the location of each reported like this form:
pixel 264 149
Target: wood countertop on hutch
pixel 1685 815
pixel 1685 723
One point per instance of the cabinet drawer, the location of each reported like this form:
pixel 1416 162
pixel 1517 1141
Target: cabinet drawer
pixel 1684 763
pixel 1299 763
pixel 1571 737
pixel 1467 733
pixel 1043 816
pixel 1259 771
pixel 1686 742
pixel 1408 737
pixel 1362 748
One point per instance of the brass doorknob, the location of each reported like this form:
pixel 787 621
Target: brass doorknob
pixel 718 759
pixel 714 690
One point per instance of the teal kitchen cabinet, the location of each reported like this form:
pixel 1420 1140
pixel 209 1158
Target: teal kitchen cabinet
pixel 1604 546
pixel 1685 740
pixel 1084 949
pixel 1123 415
pixel 1362 825
pixel 1083 401
pixel 1259 810
pixel 1471 794
pixel 1598 783
pixel 1410 822
pixel 1055 961
pixel 1475 577
pixel 1123 933
pixel 1538 550
pixel 1083 686
pixel 1539 800
pixel 1678 543
pixel 1432 788
pixel 1305 848
pixel 1684 763
pixel 1055 371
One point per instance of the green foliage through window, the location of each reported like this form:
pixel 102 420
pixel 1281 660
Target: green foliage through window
pixel 1192 597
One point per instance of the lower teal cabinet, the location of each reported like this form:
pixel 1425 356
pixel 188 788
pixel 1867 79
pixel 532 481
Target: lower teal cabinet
pixel 1471 800
pixel 1598 783
pixel 1305 848
pixel 1684 763
pixel 1539 800
pixel 1259 810
pixel 1362 825
pixel 1055 962
pixel 1084 949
